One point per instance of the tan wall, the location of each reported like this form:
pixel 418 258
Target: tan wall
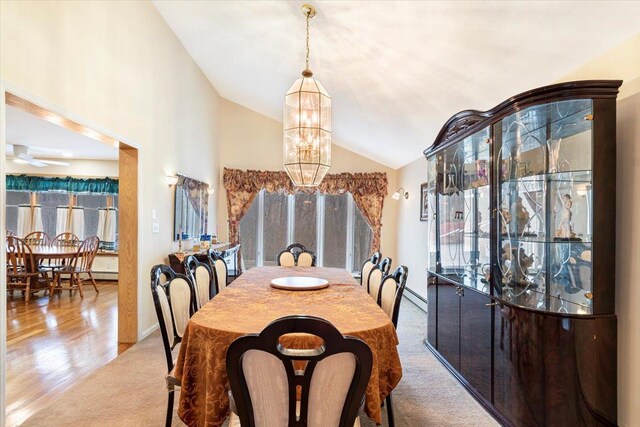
pixel 250 140
pixel 79 168
pixel 119 66
pixel 411 232
pixel 623 62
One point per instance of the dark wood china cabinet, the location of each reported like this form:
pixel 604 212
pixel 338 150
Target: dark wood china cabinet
pixel 521 284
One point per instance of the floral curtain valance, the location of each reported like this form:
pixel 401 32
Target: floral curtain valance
pixel 68 184
pixel 368 190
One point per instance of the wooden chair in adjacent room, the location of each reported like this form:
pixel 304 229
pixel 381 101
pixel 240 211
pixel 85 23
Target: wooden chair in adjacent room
pixel 37 238
pixel 173 296
pixel 389 299
pixel 219 269
pixel 264 383
pixel 81 264
pixel 65 240
pixel 203 280
pixel 22 271
pixel 366 268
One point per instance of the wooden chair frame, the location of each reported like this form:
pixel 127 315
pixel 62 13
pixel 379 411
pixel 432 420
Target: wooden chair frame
pixel 169 343
pixel 399 277
pixel 268 341
pixel 22 270
pixel 37 238
pixel 82 263
pixel 385 264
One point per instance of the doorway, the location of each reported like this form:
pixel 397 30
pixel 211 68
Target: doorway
pixel 67 336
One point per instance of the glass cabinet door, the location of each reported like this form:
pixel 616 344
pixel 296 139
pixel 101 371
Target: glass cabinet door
pixel 463 211
pixel 428 212
pixel 544 206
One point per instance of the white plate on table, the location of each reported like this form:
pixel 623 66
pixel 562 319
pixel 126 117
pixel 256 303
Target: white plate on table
pixel 299 283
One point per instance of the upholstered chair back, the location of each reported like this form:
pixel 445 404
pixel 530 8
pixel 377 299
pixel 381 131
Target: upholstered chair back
pixel 202 279
pixel 264 382
pixel 391 290
pixel 375 280
pixel 173 296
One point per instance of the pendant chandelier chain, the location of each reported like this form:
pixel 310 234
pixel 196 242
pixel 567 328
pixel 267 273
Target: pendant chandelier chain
pixel 307 58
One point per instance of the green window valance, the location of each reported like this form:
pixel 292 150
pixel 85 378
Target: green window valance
pixel 68 184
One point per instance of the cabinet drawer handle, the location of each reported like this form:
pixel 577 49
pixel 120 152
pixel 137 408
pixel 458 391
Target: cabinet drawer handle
pixel 492 304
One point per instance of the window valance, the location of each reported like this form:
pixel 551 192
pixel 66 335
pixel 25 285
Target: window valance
pixel 68 184
pixel 368 191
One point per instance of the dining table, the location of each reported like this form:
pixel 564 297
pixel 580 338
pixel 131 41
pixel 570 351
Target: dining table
pixel 46 252
pixel 248 305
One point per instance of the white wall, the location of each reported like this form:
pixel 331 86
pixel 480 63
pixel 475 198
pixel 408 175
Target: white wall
pixel 250 140
pixel 78 168
pixel 118 66
pixel 623 62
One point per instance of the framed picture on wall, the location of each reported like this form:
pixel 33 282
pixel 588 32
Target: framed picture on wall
pixel 424 202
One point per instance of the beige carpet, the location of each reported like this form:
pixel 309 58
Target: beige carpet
pixel 129 391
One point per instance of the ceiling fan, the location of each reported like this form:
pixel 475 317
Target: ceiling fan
pixel 22 154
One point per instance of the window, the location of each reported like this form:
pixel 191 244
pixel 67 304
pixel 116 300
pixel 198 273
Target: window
pixel 331 226
pixel 49 201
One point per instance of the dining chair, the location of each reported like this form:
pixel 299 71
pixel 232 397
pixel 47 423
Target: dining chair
pixel 81 263
pixel 385 264
pixel 367 266
pixel 37 238
pixel 296 255
pixel 389 299
pixel 219 268
pixel 173 296
pixel 65 240
pixel 22 271
pixel 202 278
pixel 374 281
pixel 264 383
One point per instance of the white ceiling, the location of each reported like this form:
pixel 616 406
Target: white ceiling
pixel 23 128
pixel 396 71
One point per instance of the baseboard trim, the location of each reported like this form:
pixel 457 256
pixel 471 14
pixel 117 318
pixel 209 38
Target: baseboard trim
pixel 418 300
pixel 486 404
pixel 149 331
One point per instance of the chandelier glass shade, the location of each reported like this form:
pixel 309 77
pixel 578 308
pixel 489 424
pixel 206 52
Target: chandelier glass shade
pixel 307 127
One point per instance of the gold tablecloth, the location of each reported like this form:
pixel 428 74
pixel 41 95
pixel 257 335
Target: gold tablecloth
pixel 248 306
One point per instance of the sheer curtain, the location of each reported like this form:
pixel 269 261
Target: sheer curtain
pixel 107 224
pixel 74 225
pixel 28 220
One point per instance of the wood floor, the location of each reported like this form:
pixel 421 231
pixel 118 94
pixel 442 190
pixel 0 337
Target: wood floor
pixel 51 344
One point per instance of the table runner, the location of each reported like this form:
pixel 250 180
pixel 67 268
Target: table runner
pixel 248 305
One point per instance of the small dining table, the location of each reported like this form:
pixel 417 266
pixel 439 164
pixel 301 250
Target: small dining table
pixel 45 252
pixel 248 305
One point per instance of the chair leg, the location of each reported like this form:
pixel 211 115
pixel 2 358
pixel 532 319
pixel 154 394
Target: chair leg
pixel 27 294
pixel 79 284
pixel 392 422
pixel 94 282
pixel 169 409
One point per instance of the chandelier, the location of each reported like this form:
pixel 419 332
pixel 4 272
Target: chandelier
pixel 307 126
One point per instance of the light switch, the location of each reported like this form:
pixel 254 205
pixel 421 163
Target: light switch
pixel 155 227
pixel 153 214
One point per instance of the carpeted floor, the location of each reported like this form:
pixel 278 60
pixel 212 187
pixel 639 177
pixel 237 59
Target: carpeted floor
pixel 130 391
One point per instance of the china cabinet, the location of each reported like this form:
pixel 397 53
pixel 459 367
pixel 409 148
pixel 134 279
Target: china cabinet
pixel 521 254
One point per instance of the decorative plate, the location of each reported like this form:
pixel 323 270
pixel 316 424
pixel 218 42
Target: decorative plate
pixel 299 283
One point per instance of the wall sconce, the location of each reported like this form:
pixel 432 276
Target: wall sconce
pixel 210 190
pixel 400 193
pixel 171 180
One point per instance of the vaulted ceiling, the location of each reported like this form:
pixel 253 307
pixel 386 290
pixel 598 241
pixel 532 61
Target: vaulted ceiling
pixel 396 71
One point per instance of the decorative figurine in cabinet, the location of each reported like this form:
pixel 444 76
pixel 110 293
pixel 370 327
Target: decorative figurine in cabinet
pixel 512 193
